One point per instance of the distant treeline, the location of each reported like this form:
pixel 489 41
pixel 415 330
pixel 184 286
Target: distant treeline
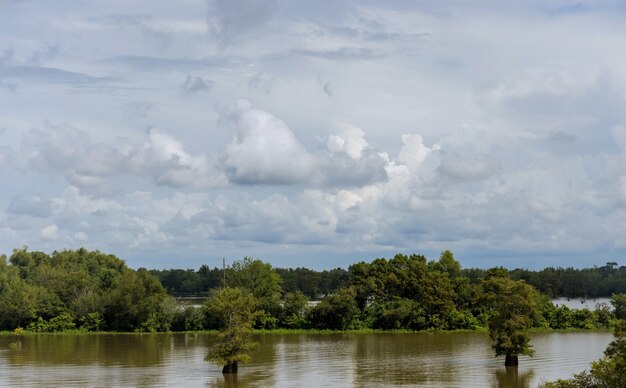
pixel 569 282
pixel 313 284
pixel 555 282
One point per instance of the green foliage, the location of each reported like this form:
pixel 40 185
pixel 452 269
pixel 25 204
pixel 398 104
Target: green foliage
pixel 91 322
pixel 260 280
pixel 448 265
pixel 18 302
pixel 619 304
pixel 400 313
pixel 59 323
pixel 293 314
pixel 38 326
pixel 313 284
pixel 90 288
pixel 336 312
pixel 235 311
pixel 405 292
pixel 513 307
pixel 581 380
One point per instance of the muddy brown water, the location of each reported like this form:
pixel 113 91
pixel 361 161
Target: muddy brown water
pixel 292 360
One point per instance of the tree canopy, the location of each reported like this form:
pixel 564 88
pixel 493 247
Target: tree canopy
pixel 513 308
pixel 235 310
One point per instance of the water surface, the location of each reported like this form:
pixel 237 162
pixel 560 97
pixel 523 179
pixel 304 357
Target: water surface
pixel 292 360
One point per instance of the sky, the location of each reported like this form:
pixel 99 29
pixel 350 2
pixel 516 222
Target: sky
pixel 316 134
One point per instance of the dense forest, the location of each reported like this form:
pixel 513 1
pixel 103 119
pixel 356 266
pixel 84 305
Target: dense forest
pixel 568 282
pixel 92 291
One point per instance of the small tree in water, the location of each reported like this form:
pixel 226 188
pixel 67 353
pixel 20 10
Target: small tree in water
pixel 235 311
pixel 513 308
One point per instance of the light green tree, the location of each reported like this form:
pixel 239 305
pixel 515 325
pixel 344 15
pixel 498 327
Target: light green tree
pixel 513 308
pixel 260 280
pixel 235 310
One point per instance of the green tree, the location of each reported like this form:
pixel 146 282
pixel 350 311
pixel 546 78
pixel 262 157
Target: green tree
pixel 619 305
pixel 294 310
pixel 336 312
pixel 260 280
pixel 235 311
pixel 512 307
pixel 448 264
pixel 18 302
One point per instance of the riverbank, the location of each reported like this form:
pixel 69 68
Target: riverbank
pixel 304 331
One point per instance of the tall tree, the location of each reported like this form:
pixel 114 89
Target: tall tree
pixel 259 279
pixel 234 309
pixel 513 308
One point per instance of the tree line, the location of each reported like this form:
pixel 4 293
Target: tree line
pixel 594 282
pixel 94 291
pixel 313 284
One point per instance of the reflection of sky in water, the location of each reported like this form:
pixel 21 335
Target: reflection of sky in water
pixel 297 360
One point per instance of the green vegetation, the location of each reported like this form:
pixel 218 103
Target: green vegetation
pixel 89 291
pixel 609 371
pixel 602 281
pixel 512 307
pixel 80 289
pixel 235 312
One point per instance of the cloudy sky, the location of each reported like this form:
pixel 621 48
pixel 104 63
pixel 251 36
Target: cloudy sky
pixel 315 134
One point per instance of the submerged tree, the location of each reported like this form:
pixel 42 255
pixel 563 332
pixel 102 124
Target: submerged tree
pixel 513 307
pixel 234 309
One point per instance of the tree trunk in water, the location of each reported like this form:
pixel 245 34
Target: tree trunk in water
pixel 230 368
pixel 510 360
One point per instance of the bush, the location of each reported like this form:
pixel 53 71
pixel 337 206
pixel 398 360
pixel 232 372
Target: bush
pixel 91 322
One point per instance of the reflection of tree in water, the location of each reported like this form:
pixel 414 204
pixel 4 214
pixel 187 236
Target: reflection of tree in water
pixel 511 378
pixel 400 359
pixel 233 380
pixel 135 350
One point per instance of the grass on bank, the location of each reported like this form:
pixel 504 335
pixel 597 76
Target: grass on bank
pixel 481 329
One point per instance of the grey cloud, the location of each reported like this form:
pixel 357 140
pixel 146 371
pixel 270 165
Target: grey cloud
pixel 229 20
pixel 6 155
pixel 340 170
pixel 41 56
pixel 163 37
pixel 7 55
pixel 10 86
pixel 372 30
pixel 33 206
pixel 196 84
pixel 138 108
pixel 167 64
pixel 261 81
pixel 344 53
pixel 325 86
pixel 561 137
pixel 50 75
pixel 120 19
pixel 90 165
pixel 467 168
